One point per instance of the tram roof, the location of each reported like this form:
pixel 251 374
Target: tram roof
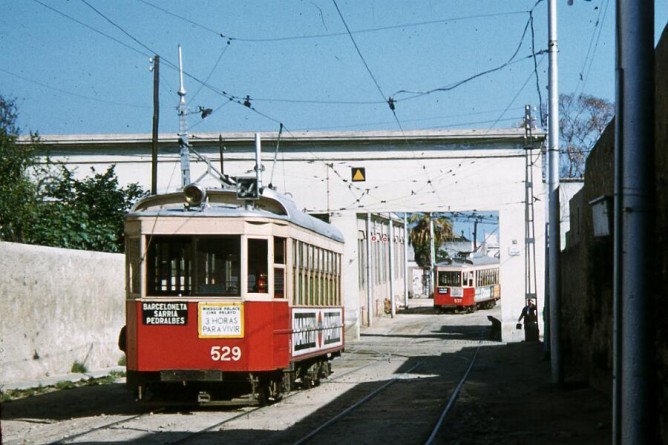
pixel 482 260
pixel 224 203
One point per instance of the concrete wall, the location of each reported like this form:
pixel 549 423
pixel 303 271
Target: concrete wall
pixel 58 307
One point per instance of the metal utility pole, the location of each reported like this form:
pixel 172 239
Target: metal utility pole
pixel 183 129
pixel 554 240
pixel 406 278
pixel 432 254
pixel 634 268
pixel 529 214
pixel 221 148
pixel 156 118
pixel 258 161
pixel 393 305
pixel 369 290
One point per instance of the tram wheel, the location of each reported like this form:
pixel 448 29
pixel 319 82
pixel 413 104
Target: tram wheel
pixel 263 393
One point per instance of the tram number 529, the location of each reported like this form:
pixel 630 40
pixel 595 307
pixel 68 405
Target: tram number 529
pixel 225 353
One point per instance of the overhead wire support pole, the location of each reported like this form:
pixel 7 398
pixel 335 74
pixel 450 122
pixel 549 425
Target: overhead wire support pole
pixel 529 214
pixel 634 247
pixel 554 240
pixel 393 305
pixel 156 119
pixel 369 289
pixel 184 150
pixel 432 255
pixel 406 260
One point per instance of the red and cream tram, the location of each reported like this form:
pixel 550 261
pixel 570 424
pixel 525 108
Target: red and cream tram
pixel 467 284
pixel 228 296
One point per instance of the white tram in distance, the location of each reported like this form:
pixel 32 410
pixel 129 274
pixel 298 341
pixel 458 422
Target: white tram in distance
pixel 229 300
pixel 467 284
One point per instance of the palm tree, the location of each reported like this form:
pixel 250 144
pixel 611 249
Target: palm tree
pixel 420 235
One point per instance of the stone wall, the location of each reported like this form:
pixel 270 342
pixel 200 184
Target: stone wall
pixel 59 307
pixel 587 273
pixel 587 262
pixel 661 230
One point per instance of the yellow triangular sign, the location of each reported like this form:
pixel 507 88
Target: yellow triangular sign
pixel 358 174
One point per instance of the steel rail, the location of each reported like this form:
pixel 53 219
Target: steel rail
pixel 352 407
pixel 454 395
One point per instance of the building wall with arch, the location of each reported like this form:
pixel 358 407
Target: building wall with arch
pixel 354 177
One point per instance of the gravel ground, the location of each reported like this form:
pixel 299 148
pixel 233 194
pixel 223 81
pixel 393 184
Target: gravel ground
pixel 507 399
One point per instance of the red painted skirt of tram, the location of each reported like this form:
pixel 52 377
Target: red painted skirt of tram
pixel 244 336
pixel 453 297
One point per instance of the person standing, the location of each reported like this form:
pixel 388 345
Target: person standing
pixel 530 316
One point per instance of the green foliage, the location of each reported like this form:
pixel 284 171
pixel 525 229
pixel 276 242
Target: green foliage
pixel 84 213
pixel 17 191
pixel 78 367
pixel 17 394
pixel 420 235
pixel 44 203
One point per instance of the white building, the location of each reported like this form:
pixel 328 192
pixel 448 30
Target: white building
pixel 360 180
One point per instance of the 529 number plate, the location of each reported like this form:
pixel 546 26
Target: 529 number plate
pixel 225 353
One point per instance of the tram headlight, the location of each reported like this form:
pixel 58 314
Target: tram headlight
pixel 194 194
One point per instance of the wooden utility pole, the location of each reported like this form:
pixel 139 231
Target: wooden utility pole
pixel 156 117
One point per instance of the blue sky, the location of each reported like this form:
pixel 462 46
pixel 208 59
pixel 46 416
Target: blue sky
pixel 82 66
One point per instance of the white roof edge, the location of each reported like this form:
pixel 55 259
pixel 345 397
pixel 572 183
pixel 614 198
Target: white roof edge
pixel 343 136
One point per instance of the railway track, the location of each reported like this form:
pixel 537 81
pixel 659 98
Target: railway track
pixel 154 424
pixel 390 387
pixel 383 408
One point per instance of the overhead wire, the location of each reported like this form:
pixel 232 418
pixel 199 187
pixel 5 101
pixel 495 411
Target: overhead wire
pixel 173 65
pixel 512 101
pixel 511 60
pixel 362 192
pixel 71 93
pixel 357 48
pixel 327 35
pixel 213 69
pixel 118 27
pixel 150 54
pixel 535 68
pixel 92 28
pixel 239 100
pixel 593 45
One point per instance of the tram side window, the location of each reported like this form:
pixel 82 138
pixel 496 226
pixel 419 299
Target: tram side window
pixel 468 278
pixel 279 267
pixel 133 261
pixel 257 265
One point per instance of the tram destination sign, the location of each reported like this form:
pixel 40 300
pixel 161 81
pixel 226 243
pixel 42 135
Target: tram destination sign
pixel 164 313
pixel 221 320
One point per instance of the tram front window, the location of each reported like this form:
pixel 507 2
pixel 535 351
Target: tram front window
pixel 258 252
pixel 185 265
pixel 449 278
pixel 217 263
